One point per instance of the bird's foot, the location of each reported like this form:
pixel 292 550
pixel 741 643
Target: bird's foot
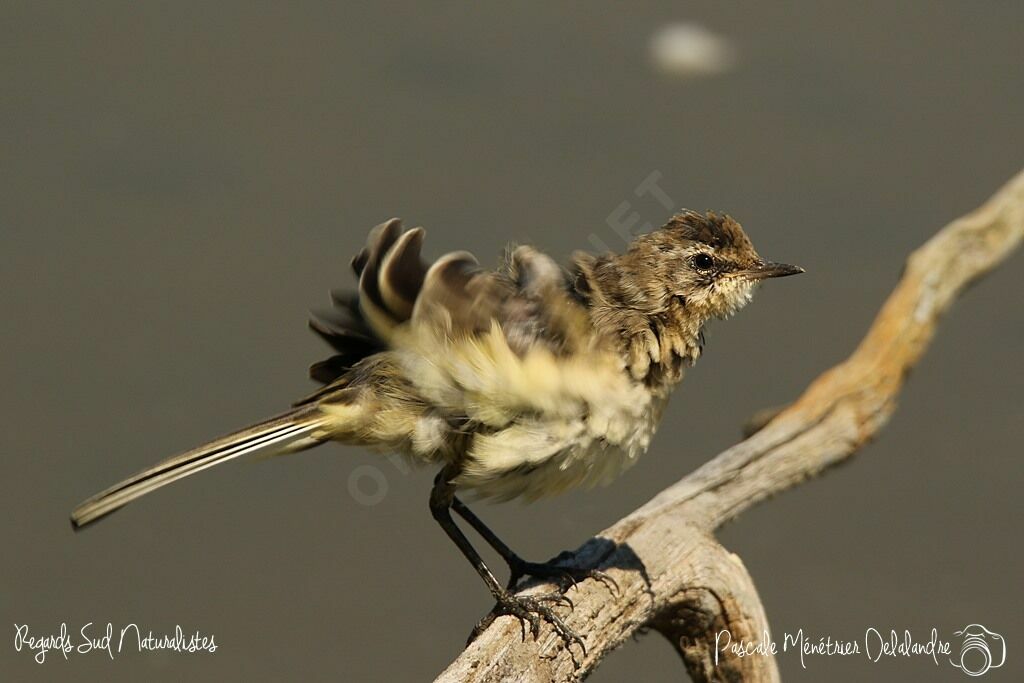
pixel 561 573
pixel 531 609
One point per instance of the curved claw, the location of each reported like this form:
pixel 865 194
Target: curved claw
pixel 531 609
pixel 607 580
pixel 567 635
pixel 566 576
pixel 554 598
pixel 534 624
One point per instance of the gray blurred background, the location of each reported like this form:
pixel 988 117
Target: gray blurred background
pixel 182 181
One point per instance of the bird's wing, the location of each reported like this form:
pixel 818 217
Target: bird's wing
pixel 392 279
pixel 477 344
pixel 397 289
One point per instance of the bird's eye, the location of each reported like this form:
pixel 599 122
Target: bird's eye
pixel 703 262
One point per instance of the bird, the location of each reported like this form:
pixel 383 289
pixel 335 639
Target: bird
pixel 520 381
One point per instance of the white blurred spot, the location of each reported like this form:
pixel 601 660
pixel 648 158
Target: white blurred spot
pixel 689 50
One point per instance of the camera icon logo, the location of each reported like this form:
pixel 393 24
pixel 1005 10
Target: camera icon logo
pixel 976 653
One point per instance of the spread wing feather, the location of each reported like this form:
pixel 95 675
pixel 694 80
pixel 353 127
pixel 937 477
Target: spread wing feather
pixel 527 295
pixel 390 273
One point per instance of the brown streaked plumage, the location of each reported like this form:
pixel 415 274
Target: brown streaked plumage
pixel 522 381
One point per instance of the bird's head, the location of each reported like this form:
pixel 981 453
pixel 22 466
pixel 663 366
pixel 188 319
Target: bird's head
pixel 705 263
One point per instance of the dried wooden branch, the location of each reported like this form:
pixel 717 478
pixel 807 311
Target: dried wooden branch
pixel 672 574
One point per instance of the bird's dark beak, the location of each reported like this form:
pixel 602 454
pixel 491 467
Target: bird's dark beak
pixel 762 270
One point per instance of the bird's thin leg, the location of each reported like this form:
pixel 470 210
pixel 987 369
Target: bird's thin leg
pixel 492 539
pixel 518 567
pixel 527 608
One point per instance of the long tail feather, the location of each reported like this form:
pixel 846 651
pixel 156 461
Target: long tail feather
pixel 285 433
